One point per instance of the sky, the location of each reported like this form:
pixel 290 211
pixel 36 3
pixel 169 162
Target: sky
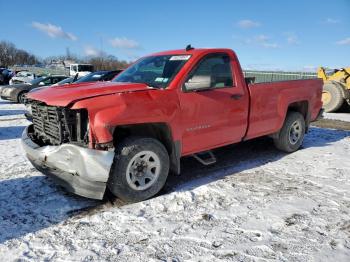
pixel 266 35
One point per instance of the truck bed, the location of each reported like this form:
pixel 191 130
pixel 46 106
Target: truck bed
pixel 268 100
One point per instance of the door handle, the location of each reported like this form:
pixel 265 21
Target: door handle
pixel 236 96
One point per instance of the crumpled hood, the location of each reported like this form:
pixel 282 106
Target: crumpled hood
pixel 66 94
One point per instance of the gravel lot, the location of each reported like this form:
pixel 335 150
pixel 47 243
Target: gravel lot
pixel 255 204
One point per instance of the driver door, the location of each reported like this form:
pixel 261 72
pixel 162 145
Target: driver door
pixel 216 114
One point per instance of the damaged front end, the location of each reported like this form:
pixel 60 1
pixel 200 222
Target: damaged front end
pixel 57 145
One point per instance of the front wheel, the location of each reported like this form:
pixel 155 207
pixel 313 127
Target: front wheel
pixel 291 135
pixel 139 170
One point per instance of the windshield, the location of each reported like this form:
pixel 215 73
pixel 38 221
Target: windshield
pixel 83 68
pixel 155 71
pixel 37 80
pixel 92 77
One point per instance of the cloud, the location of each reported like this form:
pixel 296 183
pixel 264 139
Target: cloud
pixel 331 21
pixel 345 41
pixel 246 24
pixel 262 41
pixel 291 38
pixel 270 45
pixel 124 43
pixel 261 38
pixel 92 51
pixel 53 31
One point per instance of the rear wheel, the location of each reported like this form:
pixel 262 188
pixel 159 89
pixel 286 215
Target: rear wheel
pixel 291 135
pixel 21 97
pixel 332 97
pixel 140 169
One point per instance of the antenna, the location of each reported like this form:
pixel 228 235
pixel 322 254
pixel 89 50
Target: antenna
pixel 189 47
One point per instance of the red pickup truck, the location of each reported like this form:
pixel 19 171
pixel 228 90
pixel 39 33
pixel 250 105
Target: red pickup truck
pixel 127 135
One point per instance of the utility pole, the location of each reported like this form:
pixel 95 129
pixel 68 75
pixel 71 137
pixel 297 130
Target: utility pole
pixel 101 44
pixel 67 53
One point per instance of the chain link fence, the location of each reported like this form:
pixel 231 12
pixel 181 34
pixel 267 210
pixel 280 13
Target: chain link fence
pixel 274 76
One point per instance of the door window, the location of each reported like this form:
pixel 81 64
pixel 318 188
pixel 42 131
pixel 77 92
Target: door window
pixel 215 70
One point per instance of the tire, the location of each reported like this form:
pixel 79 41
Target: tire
pixel 332 97
pixel 291 136
pixel 130 178
pixel 20 97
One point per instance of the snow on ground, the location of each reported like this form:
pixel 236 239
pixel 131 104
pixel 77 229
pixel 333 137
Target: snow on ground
pixel 337 116
pixel 255 204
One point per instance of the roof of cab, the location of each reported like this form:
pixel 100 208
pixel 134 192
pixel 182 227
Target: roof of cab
pixel 194 51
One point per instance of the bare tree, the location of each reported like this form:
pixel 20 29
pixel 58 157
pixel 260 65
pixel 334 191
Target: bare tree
pixel 10 55
pixel 107 63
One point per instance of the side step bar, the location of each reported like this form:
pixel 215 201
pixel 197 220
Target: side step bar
pixel 206 158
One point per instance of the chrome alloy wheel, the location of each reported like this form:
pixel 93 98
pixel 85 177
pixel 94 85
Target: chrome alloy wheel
pixel 143 170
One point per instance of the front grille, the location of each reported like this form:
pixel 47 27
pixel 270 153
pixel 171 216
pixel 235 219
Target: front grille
pixel 57 125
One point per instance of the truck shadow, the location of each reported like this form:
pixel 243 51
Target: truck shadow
pixel 29 204
pixel 10 132
pixel 239 157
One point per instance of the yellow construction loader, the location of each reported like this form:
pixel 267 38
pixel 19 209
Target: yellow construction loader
pixel 336 88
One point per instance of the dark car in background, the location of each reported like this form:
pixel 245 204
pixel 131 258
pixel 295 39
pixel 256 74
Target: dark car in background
pixel 66 81
pixel 99 76
pixel 92 77
pixel 5 75
pixel 17 92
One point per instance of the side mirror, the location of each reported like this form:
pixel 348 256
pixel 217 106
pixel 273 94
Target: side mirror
pixel 41 84
pixel 198 83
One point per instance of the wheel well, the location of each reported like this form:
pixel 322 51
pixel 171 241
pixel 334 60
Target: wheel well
pixel 301 107
pixel 159 131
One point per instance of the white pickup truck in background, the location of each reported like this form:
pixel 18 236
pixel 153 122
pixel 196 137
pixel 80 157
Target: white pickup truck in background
pixel 81 69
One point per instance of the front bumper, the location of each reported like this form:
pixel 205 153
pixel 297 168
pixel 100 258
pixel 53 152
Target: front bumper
pixel 79 170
